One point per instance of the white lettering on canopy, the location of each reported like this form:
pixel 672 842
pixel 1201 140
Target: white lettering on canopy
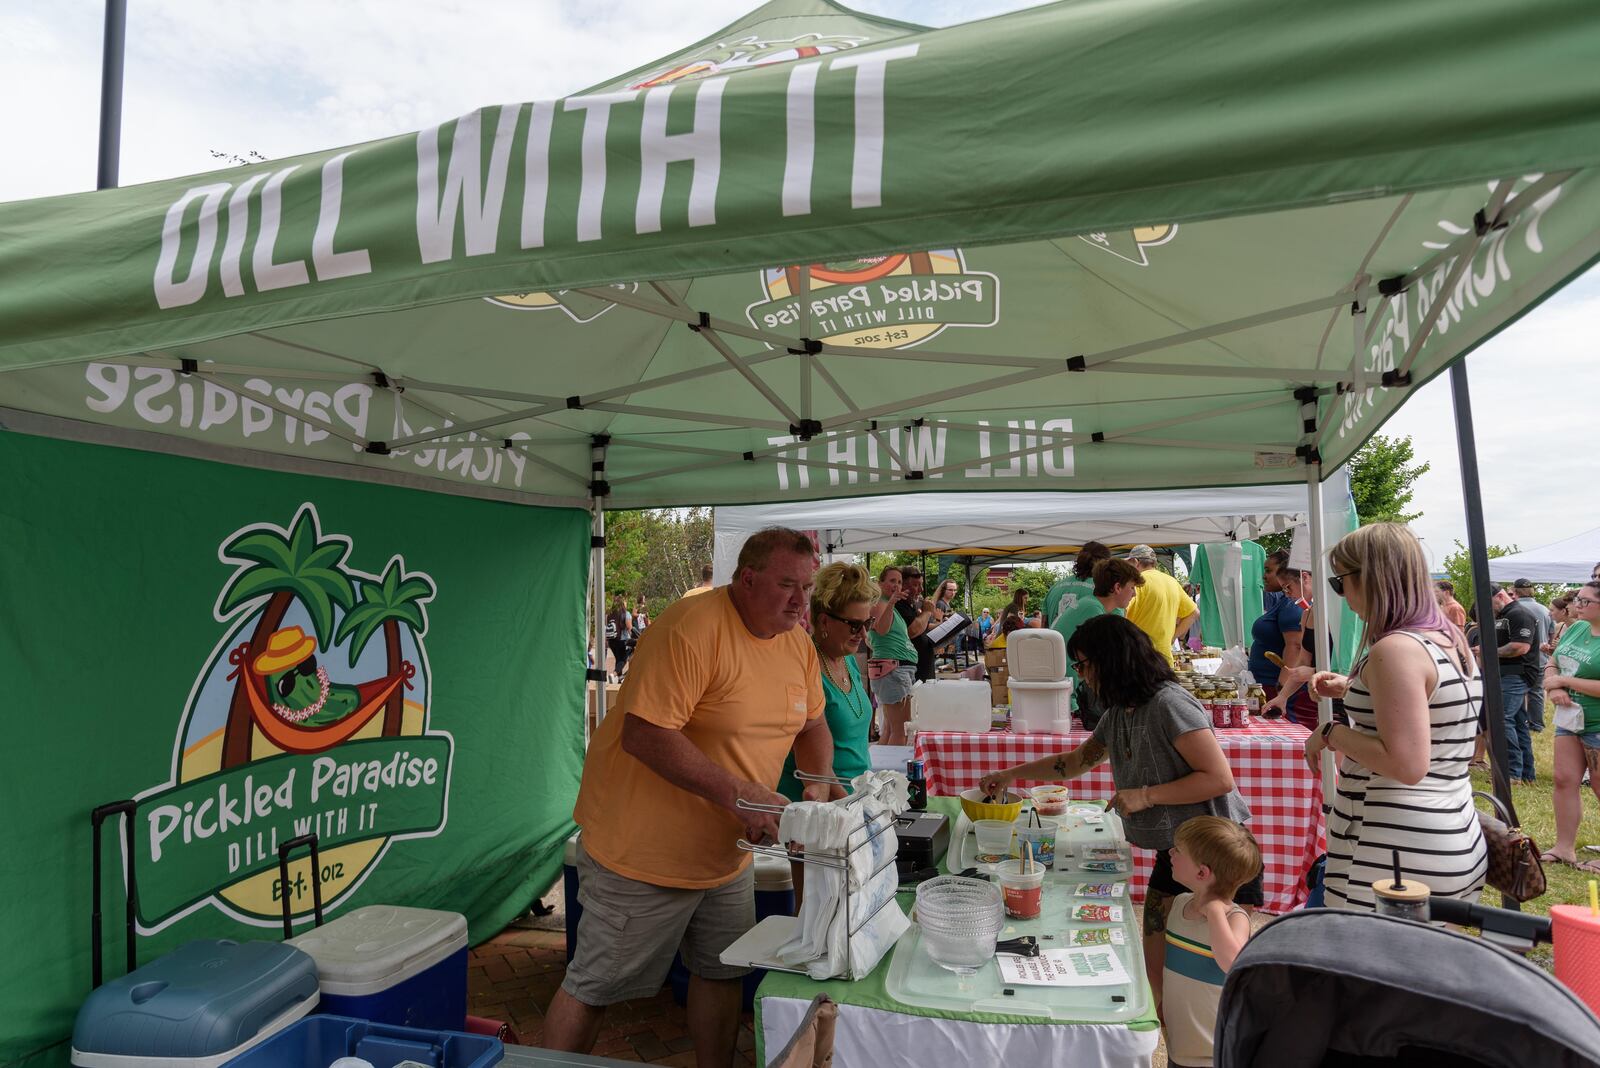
pixel 536 173
pixel 465 192
pixel 866 176
pixel 701 146
pixel 269 275
pixel 802 127
pixel 331 264
pixel 592 194
pixel 171 293
pixel 238 229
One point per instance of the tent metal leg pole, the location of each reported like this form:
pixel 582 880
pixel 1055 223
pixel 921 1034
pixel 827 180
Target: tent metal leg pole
pixel 111 58
pixel 1482 601
pixel 1319 640
pixel 597 577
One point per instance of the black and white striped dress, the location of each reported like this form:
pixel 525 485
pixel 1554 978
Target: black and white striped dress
pixel 1432 823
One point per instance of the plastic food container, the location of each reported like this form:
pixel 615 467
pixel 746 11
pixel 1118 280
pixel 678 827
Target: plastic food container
pixel 1051 800
pixel 959 920
pixel 1023 892
pixel 994 839
pixel 320 1041
pixel 1042 838
pixel 952 705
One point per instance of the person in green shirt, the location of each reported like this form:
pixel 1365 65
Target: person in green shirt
pixel 893 667
pixel 1572 681
pixel 1115 583
pixel 841 610
pixel 1078 585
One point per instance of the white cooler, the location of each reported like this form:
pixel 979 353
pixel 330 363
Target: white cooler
pixel 1041 707
pixel 391 964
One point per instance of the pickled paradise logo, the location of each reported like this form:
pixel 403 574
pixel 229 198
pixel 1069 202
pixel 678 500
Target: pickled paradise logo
pixel 309 717
pixel 887 302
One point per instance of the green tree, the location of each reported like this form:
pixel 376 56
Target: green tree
pixel 278 571
pixel 1382 473
pixel 396 598
pixel 1458 569
pixel 656 554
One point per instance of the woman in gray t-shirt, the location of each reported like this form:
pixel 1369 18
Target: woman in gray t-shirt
pixel 1165 760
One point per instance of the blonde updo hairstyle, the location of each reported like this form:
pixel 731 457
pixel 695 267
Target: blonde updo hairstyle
pixel 1395 582
pixel 839 585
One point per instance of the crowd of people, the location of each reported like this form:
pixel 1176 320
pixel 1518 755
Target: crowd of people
pixel 732 694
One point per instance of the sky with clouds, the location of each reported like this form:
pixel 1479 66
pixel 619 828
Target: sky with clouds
pixel 293 76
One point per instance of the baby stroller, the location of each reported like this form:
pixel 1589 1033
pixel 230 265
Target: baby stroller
pixel 1339 989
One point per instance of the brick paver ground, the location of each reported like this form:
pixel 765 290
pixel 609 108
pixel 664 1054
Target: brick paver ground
pixel 513 976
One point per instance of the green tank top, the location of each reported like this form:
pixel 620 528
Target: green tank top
pixel 894 645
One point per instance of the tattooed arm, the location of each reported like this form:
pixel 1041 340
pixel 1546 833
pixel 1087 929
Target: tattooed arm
pixel 1061 767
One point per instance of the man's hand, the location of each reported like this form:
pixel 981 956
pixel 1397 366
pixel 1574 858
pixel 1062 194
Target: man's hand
pixel 759 827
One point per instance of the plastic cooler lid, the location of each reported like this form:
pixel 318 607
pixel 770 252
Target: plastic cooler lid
pixel 773 873
pixel 1020 684
pixel 198 1006
pixel 377 946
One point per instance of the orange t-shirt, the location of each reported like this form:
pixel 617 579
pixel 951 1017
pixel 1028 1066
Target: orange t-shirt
pixel 740 699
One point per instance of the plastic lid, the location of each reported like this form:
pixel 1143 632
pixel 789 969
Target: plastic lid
pixel 375 947
pixel 1058 684
pixel 571 858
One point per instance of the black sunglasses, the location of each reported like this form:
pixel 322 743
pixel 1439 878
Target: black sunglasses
pixel 1337 581
pixel 308 666
pixel 856 625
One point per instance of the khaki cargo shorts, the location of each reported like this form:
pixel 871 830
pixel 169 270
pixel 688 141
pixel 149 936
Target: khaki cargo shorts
pixel 630 930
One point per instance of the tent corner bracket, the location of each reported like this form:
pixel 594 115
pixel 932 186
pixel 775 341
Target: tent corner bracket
pixel 1392 379
pixel 702 323
pixel 806 429
pixel 1077 363
pixel 378 448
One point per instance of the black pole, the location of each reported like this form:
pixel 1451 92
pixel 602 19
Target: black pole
pixel 111 93
pixel 1482 595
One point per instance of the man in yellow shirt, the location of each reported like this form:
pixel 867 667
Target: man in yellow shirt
pixel 721 688
pixel 1161 608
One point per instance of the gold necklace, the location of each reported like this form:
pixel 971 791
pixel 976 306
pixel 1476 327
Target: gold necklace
pixel 829 665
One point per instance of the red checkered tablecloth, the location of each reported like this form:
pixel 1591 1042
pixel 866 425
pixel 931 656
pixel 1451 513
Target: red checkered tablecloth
pixel 1269 769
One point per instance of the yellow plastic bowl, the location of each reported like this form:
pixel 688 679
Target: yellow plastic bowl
pixel 976 808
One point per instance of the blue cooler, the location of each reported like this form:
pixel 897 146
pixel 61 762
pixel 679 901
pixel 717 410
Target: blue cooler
pixel 199 1006
pixel 319 1041
pixel 774 897
pixel 393 965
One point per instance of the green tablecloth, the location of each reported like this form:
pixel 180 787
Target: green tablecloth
pixel 871 992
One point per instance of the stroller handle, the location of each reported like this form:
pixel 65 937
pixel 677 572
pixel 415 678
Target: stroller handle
pixel 1498 925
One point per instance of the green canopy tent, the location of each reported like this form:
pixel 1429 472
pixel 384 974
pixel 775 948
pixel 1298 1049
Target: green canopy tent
pixel 1083 246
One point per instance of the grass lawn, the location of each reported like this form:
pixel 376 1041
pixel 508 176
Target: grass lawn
pixel 1536 809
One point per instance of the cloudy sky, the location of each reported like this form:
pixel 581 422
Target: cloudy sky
pixel 292 76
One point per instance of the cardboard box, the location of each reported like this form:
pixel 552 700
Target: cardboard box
pixel 612 689
pixel 994 658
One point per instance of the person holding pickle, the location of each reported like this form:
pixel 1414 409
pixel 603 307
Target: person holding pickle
pixel 1165 760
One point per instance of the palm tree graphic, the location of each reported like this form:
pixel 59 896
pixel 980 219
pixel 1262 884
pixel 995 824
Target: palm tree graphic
pixel 302 567
pixel 397 598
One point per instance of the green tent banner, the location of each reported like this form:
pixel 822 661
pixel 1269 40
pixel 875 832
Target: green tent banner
pixel 257 655
pixel 1082 246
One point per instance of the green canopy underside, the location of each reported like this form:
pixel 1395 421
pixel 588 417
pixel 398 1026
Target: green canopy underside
pixel 1079 247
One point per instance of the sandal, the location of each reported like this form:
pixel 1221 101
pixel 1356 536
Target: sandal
pixel 1478 765
pixel 1550 856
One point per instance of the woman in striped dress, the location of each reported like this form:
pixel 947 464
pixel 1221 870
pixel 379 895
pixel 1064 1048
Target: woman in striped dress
pixel 1412 699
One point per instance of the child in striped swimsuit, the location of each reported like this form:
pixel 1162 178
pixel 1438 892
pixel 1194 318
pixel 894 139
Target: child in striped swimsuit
pixel 1213 857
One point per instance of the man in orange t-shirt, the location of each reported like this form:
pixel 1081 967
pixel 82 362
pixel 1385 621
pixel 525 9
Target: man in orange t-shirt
pixel 721 688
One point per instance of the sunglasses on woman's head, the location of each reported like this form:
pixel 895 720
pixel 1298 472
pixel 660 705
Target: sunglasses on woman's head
pixel 1337 581
pixel 856 625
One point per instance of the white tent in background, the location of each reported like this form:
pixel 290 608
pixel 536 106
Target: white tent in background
pixel 988 524
pixel 1572 560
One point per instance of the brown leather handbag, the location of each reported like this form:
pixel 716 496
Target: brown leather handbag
pixel 1514 867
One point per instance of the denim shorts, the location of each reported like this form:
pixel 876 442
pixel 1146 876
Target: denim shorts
pixel 895 686
pixel 1591 740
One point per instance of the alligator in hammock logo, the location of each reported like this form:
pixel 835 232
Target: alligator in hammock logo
pixel 311 715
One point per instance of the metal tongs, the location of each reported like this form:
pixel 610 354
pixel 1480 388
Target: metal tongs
pixel 1026 946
